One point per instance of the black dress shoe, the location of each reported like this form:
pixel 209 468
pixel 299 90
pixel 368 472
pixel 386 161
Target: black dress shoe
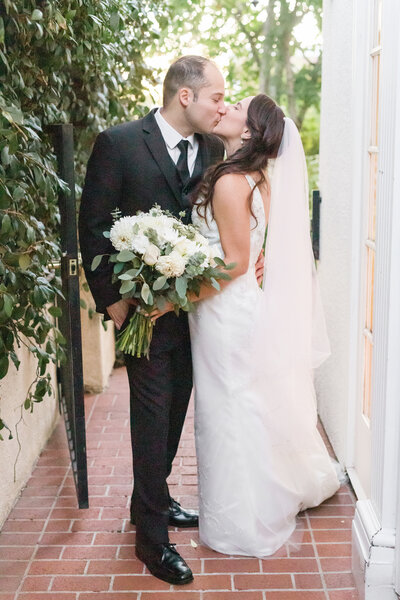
pixel 164 562
pixel 178 516
pixel 182 517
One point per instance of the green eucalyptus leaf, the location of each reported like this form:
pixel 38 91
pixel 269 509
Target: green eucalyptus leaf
pixel 181 286
pixel 218 261
pixel 96 261
pixel 125 256
pixel 126 287
pixel 159 283
pixel 146 294
pixel 215 284
pixel 118 268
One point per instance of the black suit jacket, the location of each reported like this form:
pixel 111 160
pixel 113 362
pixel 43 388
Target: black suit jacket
pixel 130 169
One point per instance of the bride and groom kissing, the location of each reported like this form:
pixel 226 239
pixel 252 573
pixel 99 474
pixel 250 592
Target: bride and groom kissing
pixel 249 350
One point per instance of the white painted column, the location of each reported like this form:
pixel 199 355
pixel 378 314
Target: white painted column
pixel 394 308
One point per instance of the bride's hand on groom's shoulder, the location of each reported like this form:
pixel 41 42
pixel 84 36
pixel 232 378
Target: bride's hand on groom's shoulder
pixel 260 267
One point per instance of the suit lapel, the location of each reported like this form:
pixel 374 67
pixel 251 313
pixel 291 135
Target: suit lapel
pixel 156 144
pixel 158 149
pixel 203 156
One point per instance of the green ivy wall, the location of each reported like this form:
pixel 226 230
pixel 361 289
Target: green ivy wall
pixel 61 61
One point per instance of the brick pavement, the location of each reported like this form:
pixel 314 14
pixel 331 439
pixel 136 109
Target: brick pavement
pixel 50 550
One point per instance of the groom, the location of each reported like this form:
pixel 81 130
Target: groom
pixel 157 159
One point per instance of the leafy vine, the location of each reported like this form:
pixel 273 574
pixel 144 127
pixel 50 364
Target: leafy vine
pixel 61 61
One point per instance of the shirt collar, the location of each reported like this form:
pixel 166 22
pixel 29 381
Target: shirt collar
pixel 170 135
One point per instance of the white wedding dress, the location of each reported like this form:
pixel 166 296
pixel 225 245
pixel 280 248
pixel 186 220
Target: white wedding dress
pixel 260 457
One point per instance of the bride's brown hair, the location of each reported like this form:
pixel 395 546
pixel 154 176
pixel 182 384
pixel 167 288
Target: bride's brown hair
pixel 265 122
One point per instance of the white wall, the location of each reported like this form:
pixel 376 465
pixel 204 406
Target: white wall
pixel 34 431
pixel 98 354
pixel 98 346
pixel 334 268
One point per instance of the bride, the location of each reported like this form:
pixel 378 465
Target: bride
pixel 261 459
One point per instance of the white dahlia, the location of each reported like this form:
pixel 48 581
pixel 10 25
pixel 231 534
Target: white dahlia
pixel 140 243
pixel 121 234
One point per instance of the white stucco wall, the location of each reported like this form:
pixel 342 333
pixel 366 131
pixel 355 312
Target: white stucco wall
pixel 34 431
pixel 98 346
pixel 336 215
pixel 98 349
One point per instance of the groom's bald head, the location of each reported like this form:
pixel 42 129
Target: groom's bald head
pixel 187 71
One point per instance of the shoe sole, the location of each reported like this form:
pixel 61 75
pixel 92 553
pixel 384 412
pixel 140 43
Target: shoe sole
pixel 174 525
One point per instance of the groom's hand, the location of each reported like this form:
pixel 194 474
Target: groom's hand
pixel 119 310
pixel 260 267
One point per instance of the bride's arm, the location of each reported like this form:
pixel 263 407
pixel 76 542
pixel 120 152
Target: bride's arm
pixel 232 214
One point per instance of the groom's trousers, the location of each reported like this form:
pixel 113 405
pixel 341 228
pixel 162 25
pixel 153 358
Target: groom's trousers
pixel 160 390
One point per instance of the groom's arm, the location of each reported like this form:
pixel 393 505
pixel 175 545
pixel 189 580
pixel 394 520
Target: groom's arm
pixel 101 195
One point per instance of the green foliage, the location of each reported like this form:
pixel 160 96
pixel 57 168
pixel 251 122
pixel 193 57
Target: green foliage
pixel 261 45
pixel 263 50
pixel 73 61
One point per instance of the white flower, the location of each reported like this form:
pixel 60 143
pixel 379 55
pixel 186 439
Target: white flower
pixel 167 234
pixel 171 265
pixel 147 221
pixel 210 253
pixel 121 233
pixel 140 243
pixel 200 239
pixel 186 248
pixel 151 255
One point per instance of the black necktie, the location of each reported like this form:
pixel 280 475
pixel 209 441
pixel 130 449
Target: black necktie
pixel 182 164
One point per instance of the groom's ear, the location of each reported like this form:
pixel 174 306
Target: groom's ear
pixel 185 96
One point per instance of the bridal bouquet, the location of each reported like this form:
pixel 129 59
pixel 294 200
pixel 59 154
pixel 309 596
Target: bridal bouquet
pixel 158 259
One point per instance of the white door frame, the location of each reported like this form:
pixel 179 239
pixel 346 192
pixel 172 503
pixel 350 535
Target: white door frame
pixel 359 109
pixel 378 514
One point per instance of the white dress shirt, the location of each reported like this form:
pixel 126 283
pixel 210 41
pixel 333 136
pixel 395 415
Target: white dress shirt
pixel 172 138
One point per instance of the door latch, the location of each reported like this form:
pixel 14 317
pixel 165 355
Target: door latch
pixel 73 267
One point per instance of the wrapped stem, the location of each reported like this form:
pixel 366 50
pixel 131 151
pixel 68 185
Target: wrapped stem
pixel 136 337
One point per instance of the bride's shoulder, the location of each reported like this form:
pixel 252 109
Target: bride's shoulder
pixel 232 182
pixel 231 195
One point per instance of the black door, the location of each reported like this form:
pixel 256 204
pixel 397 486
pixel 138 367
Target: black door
pixel 71 373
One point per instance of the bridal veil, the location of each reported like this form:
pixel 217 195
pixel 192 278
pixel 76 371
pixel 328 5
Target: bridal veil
pixel 295 330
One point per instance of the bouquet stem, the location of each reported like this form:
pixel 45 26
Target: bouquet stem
pixel 136 337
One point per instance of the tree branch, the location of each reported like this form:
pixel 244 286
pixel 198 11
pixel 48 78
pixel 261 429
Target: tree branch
pixel 238 15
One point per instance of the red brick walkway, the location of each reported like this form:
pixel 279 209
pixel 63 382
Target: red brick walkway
pixel 50 550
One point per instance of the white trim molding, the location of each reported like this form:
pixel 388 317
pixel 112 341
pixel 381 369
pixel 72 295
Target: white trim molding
pixel 373 555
